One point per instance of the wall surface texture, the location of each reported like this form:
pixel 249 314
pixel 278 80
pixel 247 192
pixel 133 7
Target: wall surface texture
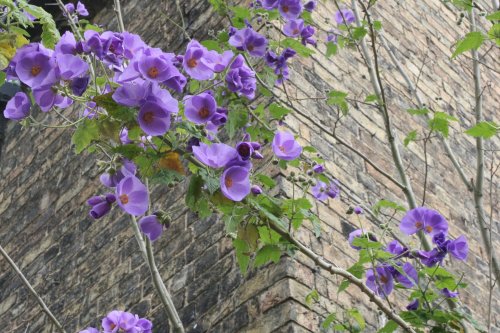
pixel 84 268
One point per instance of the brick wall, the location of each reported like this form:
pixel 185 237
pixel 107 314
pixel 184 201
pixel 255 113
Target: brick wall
pixel 83 269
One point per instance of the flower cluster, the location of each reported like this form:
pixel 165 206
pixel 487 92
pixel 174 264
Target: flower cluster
pixel 121 321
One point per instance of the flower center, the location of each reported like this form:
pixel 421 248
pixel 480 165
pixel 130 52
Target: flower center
pixel 250 47
pixel 418 225
pixel 285 9
pixel 204 112
pixel 112 326
pixel 228 181
pixel 153 72
pixel 124 199
pixel 244 150
pixel 148 117
pixel 192 63
pixel 281 148
pixel 35 70
pixel 295 31
pixel 428 229
pixel 384 279
pixel 112 48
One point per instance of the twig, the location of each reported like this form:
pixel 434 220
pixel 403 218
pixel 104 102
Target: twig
pixel 32 291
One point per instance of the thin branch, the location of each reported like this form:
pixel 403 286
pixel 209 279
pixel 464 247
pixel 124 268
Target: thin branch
pixel 32 291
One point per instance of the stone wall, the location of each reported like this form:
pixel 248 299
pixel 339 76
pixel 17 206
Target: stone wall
pixel 84 268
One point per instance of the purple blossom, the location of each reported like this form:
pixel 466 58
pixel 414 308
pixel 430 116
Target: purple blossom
pixel 216 155
pixel 116 321
pixel 154 68
pixel 448 293
pixel 132 196
pixel 293 28
pixel 79 84
pixel 241 79
pixel 200 108
pixel 249 40
pixel 270 4
pixel 194 63
pixel 279 64
pixel 36 69
pixel 380 283
pixel 285 147
pixel 256 190
pixel 70 7
pixel 395 248
pixel 132 93
pixel 112 178
pixel 70 66
pixel 333 189
pixel 307 35
pixel 310 5
pixel 154 119
pixel 151 227
pixel 101 205
pixel 413 305
pixel 18 107
pixel 319 190
pixel 358 210
pixel 345 16
pixel 290 9
pixel 47 97
pixel 67 44
pixel 318 168
pixel 355 234
pixel 421 218
pixel 81 10
pixel 458 248
pixel 90 330
pixel 132 45
pixel 431 258
pixel 235 183
pixel 409 277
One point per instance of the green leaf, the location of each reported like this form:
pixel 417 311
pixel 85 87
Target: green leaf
pixel 267 253
pixel 211 45
pixel 268 236
pixel 236 120
pixel 313 296
pixel 242 254
pixel 418 112
pixel 390 327
pixel 386 204
pixel 277 111
pixel 241 12
pixel 366 243
pixel 338 98
pixel 357 270
pixel 297 46
pixel 359 33
pixel 484 129
pixel 329 320
pixel 494 16
pixel 410 137
pixel 441 122
pixel 194 191
pixel 371 98
pixel 343 286
pixel 331 49
pixel 250 234
pixel 358 317
pixel 2 78
pixel 130 151
pixel 494 33
pixel 377 25
pixel 266 180
pixel 472 41
pixel 309 149
pixel 87 131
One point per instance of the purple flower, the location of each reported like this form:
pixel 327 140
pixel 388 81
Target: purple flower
pixel 194 64
pixel 81 10
pixel 310 5
pixel 70 66
pixel 380 283
pixel 279 64
pixel 153 119
pixel 151 227
pixel 270 4
pixel 154 68
pixel 333 189
pixel 448 293
pixel 67 44
pixel 355 234
pixel 256 190
pixel 247 149
pixel 144 326
pixel 431 258
pixel 111 179
pixel 409 277
pixel 200 108
pixel 290 9
pixel 46 97
pixel 132 93
pixel 358 210
pixel 241 79
pixel 345 16
pixel 249 40
pixel 458 248
pixel 318 168
pixel 293 28
pixel 132 44
pixel 217 62
pixel 307 34
pixel 70 7
pixel 132 196
pixel 319 190
pixel 235 183
pixel 413 305
pixel 395 248
pixel 36 69
pixel 285 146
pixel 216 155
pixel 421 218
pixel 101 205
pixel 118 321
pixel 18 107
